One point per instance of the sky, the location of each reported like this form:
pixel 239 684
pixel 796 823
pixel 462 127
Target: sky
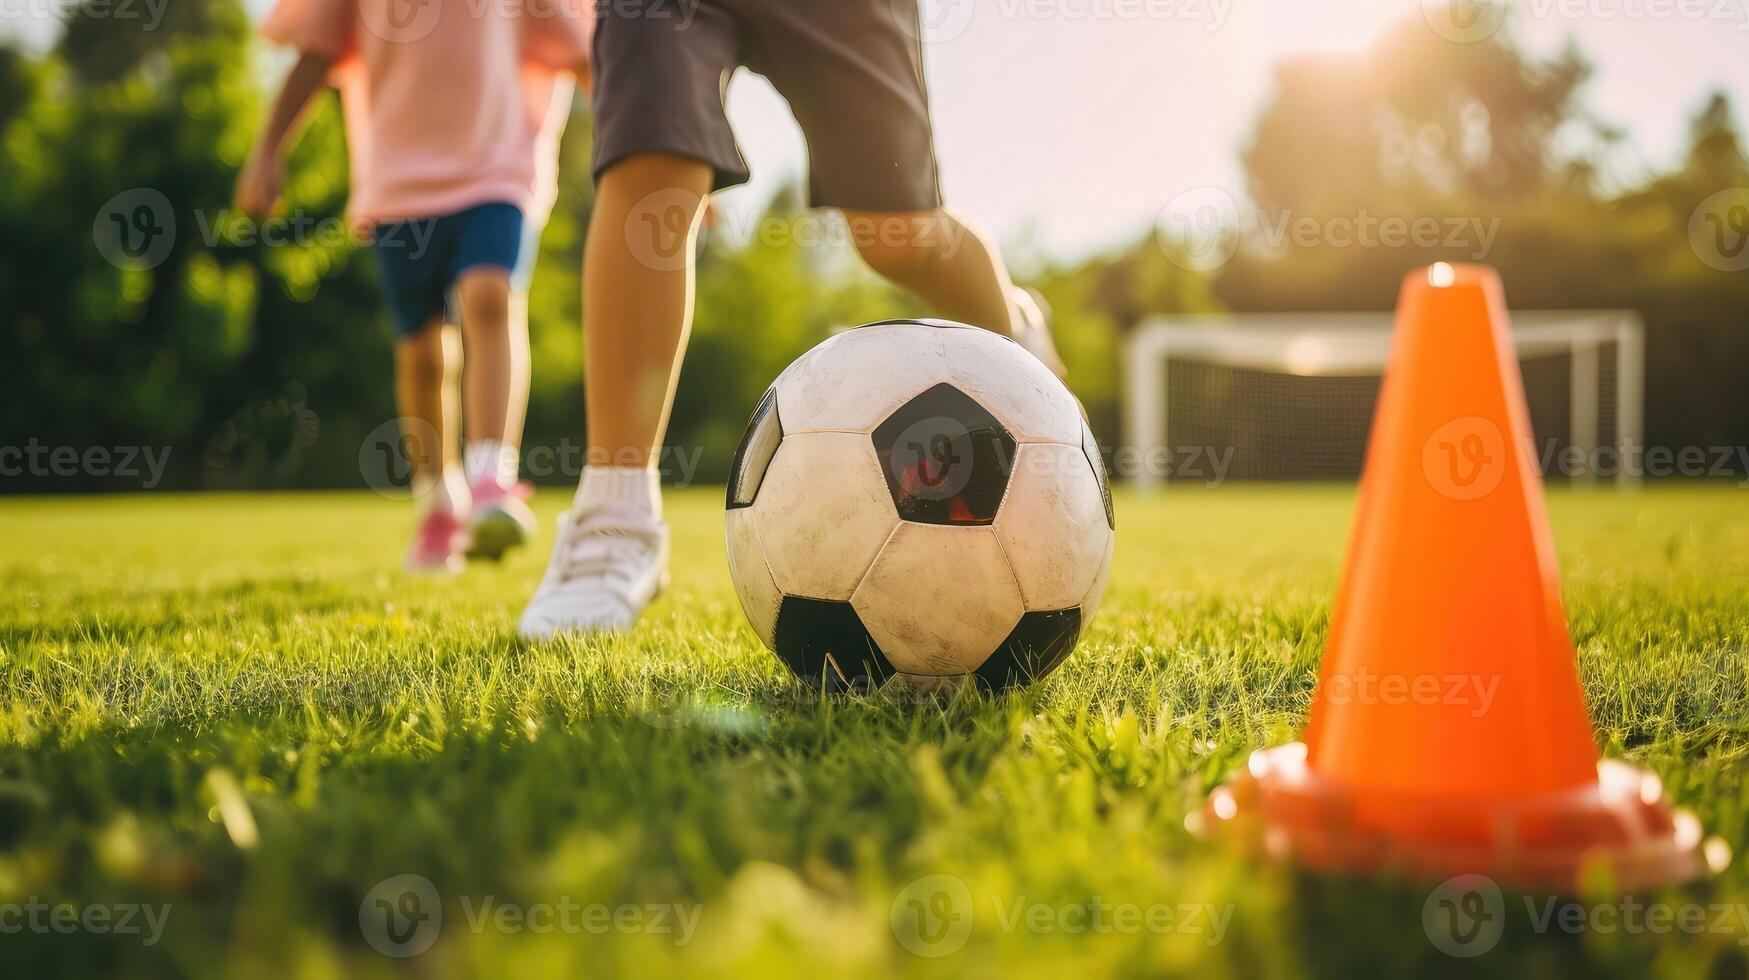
pixel 1065 126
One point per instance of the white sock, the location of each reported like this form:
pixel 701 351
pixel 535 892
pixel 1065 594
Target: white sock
pixel 634 486
pixel 489 459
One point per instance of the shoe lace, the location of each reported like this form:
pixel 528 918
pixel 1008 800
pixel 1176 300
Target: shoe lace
pixel 605 543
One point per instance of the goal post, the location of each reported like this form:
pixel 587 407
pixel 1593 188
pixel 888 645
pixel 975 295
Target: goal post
pixel 1274 385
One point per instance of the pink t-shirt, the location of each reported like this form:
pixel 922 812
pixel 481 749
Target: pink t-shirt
pixel 449 103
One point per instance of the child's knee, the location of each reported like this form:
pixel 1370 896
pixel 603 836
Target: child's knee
pixel 423 358
pixel 642 174
pixel 485 299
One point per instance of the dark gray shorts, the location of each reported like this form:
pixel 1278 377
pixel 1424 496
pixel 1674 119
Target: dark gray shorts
pixel 852 71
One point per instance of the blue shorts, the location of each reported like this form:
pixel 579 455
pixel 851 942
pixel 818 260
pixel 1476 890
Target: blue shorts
pixel 421 259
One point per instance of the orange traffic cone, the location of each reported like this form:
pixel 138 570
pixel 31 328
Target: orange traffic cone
pixel 1448 734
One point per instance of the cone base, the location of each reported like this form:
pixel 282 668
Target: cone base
pixel 1621 827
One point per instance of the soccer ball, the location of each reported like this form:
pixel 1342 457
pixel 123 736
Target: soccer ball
pixel 918 501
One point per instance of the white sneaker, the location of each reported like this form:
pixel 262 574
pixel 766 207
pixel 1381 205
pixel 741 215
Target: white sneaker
pixel 607 565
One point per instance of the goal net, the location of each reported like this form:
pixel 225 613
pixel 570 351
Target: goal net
pixel 1290 396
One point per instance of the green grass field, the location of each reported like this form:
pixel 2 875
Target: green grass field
pixel 236 713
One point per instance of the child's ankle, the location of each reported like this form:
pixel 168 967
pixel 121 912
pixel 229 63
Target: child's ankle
pixel 447 491
pixel 636 487
pixel 490 462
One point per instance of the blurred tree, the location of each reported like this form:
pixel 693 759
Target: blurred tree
pixel 1480 134
pixel 140 312
pixel 1414 119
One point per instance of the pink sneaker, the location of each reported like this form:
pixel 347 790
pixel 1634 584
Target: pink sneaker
pixel 502 518
pixel 438 544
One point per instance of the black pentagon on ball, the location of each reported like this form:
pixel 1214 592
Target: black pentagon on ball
pixel 1034 648
pixel 946 459
pixel 753 455
pixel 828 648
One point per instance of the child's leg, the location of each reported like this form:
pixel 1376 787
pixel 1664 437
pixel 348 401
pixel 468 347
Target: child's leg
pixel 495 385
pixel 611 553
pixel 637 302
pixel 426 366
pixel 950 263
pixel 942 258
pixel 495 330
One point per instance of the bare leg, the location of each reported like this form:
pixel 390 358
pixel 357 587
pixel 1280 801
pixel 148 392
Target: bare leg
pixel 495 384
pixel 426 368
pixel 951 265
pixel 637 301
pixel 942 258
pixel 610 558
